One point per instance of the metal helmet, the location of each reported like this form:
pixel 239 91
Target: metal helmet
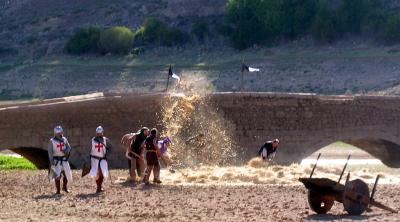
pixel 99 129
pixel 58 129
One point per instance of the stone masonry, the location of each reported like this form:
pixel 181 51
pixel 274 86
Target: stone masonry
pixel 303 122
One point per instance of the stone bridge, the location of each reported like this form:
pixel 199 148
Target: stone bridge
pixel 304 123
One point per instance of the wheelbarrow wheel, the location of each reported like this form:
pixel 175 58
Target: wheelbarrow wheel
pixel 318 203
pixel 356 197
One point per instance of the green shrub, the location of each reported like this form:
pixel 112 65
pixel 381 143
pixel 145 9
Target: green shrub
pixel 151 31
pixel 155 31
pixel 200 30
pixel 392 29
pixel 83 41
pixel 324 27
pixel 116 39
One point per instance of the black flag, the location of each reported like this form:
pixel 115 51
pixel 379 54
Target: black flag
pixel 173 75
pixel 249 69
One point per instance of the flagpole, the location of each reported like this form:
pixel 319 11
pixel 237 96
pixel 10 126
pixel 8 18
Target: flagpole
pixel 241 85
pixel 167 84
pixel 166 90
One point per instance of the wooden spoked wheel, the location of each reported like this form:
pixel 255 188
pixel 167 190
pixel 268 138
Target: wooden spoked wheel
pixel 318 203
pixel 356 197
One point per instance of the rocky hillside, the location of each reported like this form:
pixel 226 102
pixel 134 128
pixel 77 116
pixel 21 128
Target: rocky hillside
pixel 32 63
pixel 30 29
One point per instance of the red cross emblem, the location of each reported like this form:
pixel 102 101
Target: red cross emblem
pixel 99 146
pixel 61 146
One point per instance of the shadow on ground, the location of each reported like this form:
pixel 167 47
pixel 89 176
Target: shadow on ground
pixel 48 197
pixel 331 217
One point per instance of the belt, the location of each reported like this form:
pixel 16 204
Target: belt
pixel 135 154
pixel 60 159
pixel 98 158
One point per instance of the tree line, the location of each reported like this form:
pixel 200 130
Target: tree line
pixel 267 22
pixel 254 22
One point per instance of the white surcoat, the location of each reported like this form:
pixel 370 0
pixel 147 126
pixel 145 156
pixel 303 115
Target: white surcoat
pixel 58 147
pixel 98 150
pixel 61 165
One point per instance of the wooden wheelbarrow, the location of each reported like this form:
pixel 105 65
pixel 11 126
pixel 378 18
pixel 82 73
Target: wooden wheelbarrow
pixel 354 194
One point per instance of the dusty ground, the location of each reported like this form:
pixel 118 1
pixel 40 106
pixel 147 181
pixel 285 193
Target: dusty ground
pixel 28 196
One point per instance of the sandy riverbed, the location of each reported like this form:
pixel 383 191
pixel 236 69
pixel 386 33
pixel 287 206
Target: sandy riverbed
pixel 28 196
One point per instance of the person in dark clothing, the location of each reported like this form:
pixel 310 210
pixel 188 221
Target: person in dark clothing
pixel 135 153
pixel 152 153
pixel 126 142
pixel 268 150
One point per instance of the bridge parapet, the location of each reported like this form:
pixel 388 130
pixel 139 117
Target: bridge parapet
pixel 303 122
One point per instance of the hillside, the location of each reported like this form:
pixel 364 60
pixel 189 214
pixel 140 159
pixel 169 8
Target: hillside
pixel 32 63
pixel 31 29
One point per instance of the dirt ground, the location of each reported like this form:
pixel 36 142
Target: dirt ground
pixel 28 196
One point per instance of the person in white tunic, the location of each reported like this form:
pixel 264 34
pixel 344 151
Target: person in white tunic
pixel 59 150
pixel 101 147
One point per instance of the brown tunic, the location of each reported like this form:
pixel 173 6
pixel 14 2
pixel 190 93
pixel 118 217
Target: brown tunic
pixel 151 154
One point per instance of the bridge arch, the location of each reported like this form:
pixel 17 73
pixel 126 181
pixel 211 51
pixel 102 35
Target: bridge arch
pixel 384 150
pixel 388 152
pixel 37 156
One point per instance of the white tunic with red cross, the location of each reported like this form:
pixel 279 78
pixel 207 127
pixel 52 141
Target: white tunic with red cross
pixel 58 151
pixel 98 149
pixel 58 147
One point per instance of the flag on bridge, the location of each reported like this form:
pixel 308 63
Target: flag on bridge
pixel 173 75
pixel 249 69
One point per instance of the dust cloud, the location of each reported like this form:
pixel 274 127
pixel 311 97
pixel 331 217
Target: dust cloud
pixel 204 150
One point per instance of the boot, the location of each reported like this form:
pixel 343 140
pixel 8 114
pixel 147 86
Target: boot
pixel 156 172
pixel 146 177
pixel 58 185
pixel 65 182
pixel 99 183
pixel 157 181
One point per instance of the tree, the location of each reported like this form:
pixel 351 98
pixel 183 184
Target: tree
pixel 298 16
pixel 155 31
pixel 251 22
pixel 356 15
pixel 117 39
pixel 392 29
pixel 84 40
pixel 325 26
